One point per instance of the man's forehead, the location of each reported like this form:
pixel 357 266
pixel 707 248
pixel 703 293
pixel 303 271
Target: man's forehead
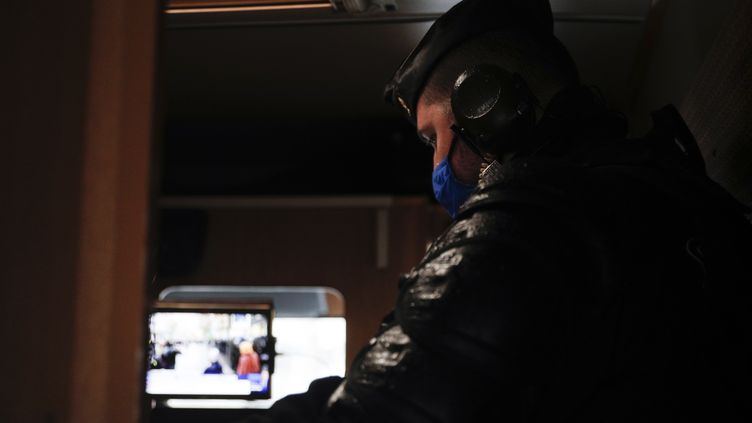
pixel 429 115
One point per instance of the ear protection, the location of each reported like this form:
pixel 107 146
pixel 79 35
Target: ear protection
pixel 494 109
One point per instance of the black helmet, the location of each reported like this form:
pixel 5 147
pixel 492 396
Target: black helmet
pixel 464 21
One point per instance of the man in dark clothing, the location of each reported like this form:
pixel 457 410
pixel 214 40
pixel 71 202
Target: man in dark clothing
pixel 586 276
pixel 169 356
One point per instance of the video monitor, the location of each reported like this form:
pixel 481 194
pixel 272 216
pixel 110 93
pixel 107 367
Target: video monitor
pixel 210 351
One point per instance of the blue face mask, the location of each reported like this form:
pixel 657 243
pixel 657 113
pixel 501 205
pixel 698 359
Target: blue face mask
pixel 449 191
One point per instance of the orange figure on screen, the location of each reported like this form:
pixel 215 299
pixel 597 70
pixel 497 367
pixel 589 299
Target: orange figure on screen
pixel 249 361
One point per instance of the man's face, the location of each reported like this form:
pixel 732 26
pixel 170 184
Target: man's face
pixel 435 122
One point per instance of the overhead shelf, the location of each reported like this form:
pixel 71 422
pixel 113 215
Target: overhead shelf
pixel 288 202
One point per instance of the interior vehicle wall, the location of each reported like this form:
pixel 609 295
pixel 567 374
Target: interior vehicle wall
pixel 78 85
pixel 698 59
pixel 334 247
pixel 718 105
pixel 42 123
pixel 675 48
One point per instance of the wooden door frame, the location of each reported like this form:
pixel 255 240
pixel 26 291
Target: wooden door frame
pixel 107 367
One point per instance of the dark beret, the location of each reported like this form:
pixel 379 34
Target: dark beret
pixel 464 21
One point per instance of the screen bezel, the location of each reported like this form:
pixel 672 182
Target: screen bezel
pixel 265 308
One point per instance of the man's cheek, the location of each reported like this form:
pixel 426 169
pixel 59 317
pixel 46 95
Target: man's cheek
pixel 463 155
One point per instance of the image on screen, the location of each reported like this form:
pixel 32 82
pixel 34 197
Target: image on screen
pixel 209 354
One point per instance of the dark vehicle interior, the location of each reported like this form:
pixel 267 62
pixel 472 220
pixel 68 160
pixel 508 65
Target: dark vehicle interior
pixel 273 115
pixel 276 170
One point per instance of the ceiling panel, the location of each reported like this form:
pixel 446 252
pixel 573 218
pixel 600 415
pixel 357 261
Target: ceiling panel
pixel 602 7
pixel 267 72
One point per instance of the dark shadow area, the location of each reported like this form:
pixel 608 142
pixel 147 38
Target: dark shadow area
pixel 331 157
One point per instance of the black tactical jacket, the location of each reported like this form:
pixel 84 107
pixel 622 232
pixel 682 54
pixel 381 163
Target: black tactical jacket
pixel 591 278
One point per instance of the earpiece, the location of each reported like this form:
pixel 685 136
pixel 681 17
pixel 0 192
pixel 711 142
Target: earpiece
pixel 494 109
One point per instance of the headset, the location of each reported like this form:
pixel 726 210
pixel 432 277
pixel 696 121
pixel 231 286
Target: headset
pixel 494 109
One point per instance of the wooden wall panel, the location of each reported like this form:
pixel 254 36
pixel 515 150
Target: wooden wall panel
pixel 76 141
pixel 107 367
pixel 333 247
pixel 43 64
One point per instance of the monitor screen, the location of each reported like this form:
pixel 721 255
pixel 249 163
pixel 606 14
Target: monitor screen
pixel 210 351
